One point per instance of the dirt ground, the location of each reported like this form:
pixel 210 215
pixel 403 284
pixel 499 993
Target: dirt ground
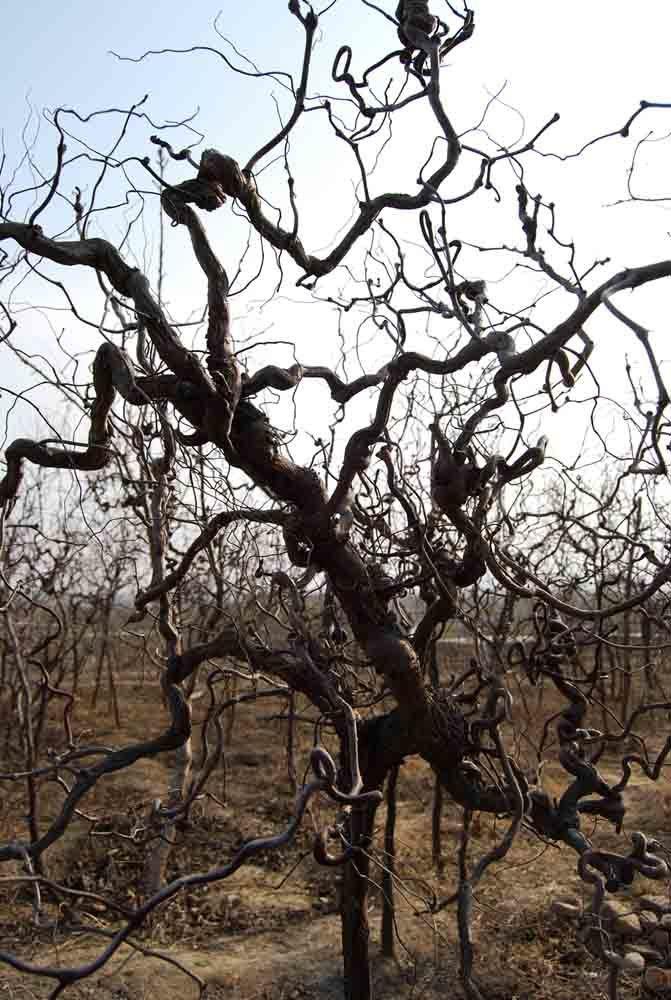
pixel 272 930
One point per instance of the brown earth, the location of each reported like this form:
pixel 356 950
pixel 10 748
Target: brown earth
pixel 271 931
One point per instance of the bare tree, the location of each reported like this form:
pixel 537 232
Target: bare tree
pixel 353 547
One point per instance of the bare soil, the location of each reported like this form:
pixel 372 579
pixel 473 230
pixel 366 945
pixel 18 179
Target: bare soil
pixel 272 931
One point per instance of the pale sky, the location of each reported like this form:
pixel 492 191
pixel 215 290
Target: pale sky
pixel 591 62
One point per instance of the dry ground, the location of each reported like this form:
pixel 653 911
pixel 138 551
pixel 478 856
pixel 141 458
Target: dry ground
pixel 271 932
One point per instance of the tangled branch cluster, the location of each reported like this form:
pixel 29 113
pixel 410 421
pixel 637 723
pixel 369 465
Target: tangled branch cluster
pixel 353 552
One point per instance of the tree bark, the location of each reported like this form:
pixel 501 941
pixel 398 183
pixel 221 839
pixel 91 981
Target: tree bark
pixel 388 911
pixel 358 980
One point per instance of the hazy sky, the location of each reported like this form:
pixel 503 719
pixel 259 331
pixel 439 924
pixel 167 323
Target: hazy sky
pixel 590 61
